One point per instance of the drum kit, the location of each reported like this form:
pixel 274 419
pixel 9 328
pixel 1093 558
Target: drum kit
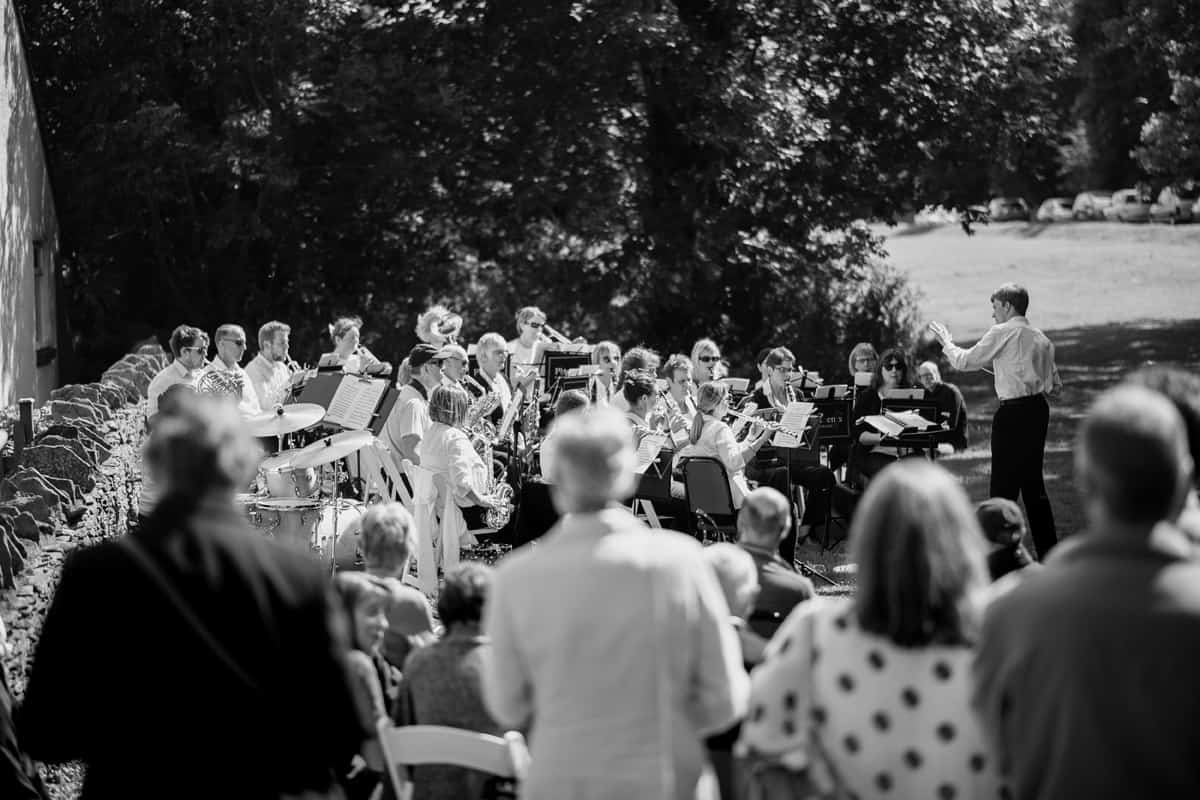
pixel 296 501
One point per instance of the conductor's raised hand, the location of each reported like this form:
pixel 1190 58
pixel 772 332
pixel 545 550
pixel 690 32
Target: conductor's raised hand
pixel 941 333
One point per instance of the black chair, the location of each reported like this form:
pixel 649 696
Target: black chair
pixel 765 623
pixel 706 486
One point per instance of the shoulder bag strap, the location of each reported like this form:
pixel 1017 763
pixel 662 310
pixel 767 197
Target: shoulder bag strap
pixel 152 571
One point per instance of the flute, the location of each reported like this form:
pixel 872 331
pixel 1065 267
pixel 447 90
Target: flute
pixel 771 426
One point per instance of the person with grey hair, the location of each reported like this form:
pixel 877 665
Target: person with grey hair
pixel 634 661
pixel 952 409
pixel 268 371
pixel 763 523
pixel 442 682
pixel 1086 675
pixel 1021 359
pixel 225 376
pixel 388 543
pixel 205 643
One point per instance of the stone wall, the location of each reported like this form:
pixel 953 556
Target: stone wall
pixel 76 483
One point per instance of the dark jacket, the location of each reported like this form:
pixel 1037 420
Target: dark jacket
pixel 19 779
pixel 781 588
pixel 123 681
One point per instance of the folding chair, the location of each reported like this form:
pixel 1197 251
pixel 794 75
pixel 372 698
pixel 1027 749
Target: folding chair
pixel 706 485
pixel 414 745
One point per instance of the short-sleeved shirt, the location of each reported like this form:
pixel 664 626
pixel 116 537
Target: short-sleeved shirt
pixel 409 417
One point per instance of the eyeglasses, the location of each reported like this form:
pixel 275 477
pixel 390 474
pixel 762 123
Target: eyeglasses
pixel 782 369
pixel 709 359
pixel 893 365
pixel 538 325
pixel 198 349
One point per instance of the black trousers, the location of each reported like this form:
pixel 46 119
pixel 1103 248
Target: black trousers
pixel 815 478
pixel 1018 451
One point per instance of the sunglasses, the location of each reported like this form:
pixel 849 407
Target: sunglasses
pixel 709 359
pixel 893 365
pixel 237 342
pixel 197 349
pixel 538 325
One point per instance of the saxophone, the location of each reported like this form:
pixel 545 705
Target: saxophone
pixel 497 489
pixel 477 422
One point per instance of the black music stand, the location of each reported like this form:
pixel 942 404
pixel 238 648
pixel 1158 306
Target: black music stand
pixel 810 443
pixel 564 384
pixel 556 365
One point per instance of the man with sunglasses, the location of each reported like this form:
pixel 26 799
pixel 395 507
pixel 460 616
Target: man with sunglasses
pixel 189 345
pixel 1022 360
pixel 409 418
pixel 225 374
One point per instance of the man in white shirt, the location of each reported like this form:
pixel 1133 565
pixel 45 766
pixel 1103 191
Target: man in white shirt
pixel 189 345
pixel 268 371
pixel 1022 361
pixel 634 661
pixel 231 346
pixel 409 419
pixel 491 354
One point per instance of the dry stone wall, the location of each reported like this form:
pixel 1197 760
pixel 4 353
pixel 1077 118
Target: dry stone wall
pixel 74 484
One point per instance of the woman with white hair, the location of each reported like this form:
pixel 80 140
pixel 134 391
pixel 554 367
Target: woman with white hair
pixel 883 679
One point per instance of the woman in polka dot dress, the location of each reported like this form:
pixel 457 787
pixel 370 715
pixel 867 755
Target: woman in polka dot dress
pixel 883 679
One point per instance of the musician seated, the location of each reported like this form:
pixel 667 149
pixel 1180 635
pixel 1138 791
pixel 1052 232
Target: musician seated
pixel 867 455
pixel 454 364
pixel 711 437
pixel 706 360
pixel 568 401
pixel 269 372
pixel 863 359
pixel 349 353
pixel 679 398
pixel 783 469
pixel 602 388
pixel 638 358
pixel 952 409
pixel 491 355
pixel 458 495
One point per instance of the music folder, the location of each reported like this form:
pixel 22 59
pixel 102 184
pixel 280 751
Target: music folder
pixel 351 401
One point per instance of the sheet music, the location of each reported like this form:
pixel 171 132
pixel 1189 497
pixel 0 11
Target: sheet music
pixel 794 421
pixel 355 402
pixel 648 450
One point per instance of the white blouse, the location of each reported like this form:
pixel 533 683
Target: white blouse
pixel 456 467
pixel 717 441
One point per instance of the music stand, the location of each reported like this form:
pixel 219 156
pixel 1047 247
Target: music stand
pixel 556 364
pixel 809 442
pixel 563 384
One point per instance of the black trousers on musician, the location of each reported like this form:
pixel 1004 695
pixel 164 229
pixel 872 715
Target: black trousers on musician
pixel 1018 452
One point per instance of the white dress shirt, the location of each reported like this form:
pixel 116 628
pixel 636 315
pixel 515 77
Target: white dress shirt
pixel 717 441
pixel 613 643
pixel 1022 358
pixel 272 381
pixel 170 375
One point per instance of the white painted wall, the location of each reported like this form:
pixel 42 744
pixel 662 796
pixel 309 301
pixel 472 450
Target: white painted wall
pixel 26 216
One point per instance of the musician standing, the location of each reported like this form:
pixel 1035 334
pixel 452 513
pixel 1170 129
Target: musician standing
pixel 527 350
pixel 268 371
pixel 409 419
pixel 1022 359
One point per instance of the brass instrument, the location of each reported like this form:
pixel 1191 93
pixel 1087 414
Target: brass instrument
pixel 497 489
pixel 510 416
pixel 554 336
pixel 221 382
pixel 481 408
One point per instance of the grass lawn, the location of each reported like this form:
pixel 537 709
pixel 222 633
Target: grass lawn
pixel 1111 297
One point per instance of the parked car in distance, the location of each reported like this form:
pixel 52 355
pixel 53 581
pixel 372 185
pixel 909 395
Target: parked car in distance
pixel 1128 205
pixel 1055 209
pixel 1174 205
pixel 1003 209
pixel 1091 204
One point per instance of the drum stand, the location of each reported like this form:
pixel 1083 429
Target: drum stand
pixel 335 504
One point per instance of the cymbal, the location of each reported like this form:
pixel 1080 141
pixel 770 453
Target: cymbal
pixel 331 448
pixel 285 419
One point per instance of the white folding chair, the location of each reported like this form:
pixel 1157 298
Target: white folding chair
pixel 383 476
pixel 413 745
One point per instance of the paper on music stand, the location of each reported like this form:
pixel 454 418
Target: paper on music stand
pixel 355 401
pixel 648 450
pixel 794 422
pixel 895 423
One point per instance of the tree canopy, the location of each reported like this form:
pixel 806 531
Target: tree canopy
pixel 646 171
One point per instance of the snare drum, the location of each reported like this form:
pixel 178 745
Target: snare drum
pixel 282 480
pixel 247 504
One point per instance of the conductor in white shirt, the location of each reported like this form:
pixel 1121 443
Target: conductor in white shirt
pixel 610 642
pixel 1022 360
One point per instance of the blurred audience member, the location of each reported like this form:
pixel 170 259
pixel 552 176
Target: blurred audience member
pixel 883 679
pixel 1183 389
pixel 442 683
pixel 374 681
pixel 634 660
pixel 1004 527
pixel 19 778
pixel 763 523
pixel 388 541
pixel 1086 675
pixel 952 410
pixel 568 401
pixel 197 639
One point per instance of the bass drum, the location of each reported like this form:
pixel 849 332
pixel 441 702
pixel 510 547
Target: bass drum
pixel 346 552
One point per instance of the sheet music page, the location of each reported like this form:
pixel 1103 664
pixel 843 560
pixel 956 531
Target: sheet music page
pixel 794 421
pixel 910 419
pixel 885 425
pixel 648 450
pixel 354 402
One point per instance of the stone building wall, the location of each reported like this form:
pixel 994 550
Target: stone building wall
pixel 75 484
